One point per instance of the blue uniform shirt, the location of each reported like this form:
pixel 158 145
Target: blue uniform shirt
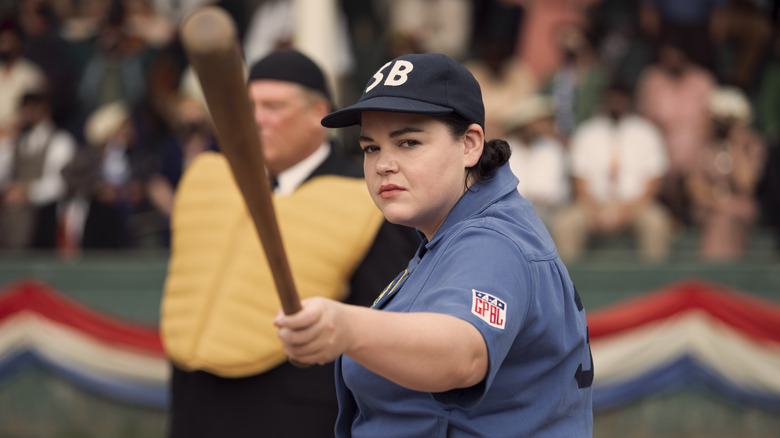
pixel 493 264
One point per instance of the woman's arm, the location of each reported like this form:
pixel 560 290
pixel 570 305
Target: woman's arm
pixel 421 351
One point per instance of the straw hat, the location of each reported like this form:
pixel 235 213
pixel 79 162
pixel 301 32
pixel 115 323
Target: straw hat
pixel 105 122
pixel 730 102
pixel 528 110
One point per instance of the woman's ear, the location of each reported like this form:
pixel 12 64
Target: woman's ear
pixel 474 142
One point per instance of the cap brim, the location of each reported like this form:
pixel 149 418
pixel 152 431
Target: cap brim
pixel 350 115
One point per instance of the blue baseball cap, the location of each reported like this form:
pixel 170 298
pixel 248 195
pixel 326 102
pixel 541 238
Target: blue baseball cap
pixel 430 83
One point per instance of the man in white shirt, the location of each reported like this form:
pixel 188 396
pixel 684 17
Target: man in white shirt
pixel 18 75
pixel 618 160
pixel 538 156
pixel 30 170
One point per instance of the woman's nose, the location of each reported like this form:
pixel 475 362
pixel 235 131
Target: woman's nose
pixel 386 163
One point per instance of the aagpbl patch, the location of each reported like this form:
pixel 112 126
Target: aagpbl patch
pixel 489 308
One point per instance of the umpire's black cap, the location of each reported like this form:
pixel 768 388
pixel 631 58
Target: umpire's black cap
pixel 291 66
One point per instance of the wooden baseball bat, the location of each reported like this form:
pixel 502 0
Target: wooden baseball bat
pixel 212 47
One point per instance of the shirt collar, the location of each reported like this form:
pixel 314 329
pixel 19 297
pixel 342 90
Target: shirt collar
pixel 477 199
pixel 290 179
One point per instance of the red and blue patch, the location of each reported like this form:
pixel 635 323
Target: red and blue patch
pixel 489 308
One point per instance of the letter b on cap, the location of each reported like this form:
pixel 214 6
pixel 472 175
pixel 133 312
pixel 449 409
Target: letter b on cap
pixel 398 75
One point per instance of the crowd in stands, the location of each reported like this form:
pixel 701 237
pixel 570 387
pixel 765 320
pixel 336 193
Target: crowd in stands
pixel 643 117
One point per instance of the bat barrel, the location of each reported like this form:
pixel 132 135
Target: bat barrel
pixel 208 30
pixel 211 43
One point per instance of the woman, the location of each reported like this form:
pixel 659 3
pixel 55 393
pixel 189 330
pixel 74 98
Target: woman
pixel 483 334
pixel 723 183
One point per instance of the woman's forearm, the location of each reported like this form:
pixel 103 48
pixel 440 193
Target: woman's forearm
pixel 421 351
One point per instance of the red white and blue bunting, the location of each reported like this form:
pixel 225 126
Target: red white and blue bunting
pixel 689 334
pixel 113 358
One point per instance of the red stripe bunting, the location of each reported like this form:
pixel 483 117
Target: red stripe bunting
pixel 753 316
pixel 37 297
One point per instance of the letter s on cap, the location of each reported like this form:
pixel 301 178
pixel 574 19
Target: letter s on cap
pixel 398 75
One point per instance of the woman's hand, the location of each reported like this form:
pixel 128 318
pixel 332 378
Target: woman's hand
pixel 315 334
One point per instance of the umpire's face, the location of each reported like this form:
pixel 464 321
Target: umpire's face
pixel 288 117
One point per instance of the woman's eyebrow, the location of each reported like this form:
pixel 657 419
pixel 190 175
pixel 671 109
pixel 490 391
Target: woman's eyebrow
pixel 393 134
pixel 403 131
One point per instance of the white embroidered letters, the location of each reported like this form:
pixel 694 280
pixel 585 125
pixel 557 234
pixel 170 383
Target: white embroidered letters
pixel 398 75
pixel 378 76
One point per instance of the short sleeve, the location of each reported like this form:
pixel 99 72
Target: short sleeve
pixel 482 278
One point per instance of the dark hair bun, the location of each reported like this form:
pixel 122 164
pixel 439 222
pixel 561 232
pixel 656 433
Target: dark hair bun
pixel 495 154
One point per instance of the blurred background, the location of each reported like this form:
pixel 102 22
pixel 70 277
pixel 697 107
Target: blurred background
pixel 645 132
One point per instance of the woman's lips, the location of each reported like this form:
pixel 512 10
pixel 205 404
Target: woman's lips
pixel 387 191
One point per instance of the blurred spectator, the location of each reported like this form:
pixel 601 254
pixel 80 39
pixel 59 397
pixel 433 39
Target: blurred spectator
pixel 270 27
pixel 144 22
pixel 542 19
pixel 44 46
pixel 697 22
pixel 538 156
pixel 30 170
pixel 439 26
pixel 123 171
pixel 82 19
pixel 504 80
pixel 723 183
pixel 192 134
pixel 492 19
pixel 276 24
pixel 116 70
pixel 109 130
pixel 622 48
pixel 18 75
pixel 86 218
pixel 618 160
pixel 747 31
pixel 577 85
pixel 673 94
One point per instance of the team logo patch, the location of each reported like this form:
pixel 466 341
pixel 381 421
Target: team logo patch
pixel 489 308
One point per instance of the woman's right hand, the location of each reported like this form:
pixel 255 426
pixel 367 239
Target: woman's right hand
pixel 315 334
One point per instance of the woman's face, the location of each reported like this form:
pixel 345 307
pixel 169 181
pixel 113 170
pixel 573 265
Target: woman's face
pixel 415 170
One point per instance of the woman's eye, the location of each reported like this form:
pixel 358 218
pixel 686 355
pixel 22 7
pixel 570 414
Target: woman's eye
pixel 369 149
pixel 408 143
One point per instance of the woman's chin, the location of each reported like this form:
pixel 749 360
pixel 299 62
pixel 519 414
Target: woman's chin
pixel 394 216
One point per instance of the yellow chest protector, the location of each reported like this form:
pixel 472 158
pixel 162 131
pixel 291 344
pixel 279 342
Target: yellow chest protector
pixel 220 300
